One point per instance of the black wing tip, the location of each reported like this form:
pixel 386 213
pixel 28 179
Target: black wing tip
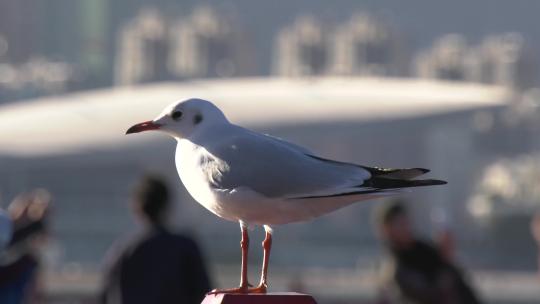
pixel 423 170
pixel 434 182
pixel 408 184
pixel 390 183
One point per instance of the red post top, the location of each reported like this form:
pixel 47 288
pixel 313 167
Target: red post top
pixel 253 298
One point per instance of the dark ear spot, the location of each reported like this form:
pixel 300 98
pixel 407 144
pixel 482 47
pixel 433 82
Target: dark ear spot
pixel 197 119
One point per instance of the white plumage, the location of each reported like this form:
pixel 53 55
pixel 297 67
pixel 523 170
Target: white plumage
pixel 241 175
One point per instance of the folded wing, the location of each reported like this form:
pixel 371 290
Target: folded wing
pixel 279 169
pixel 276 168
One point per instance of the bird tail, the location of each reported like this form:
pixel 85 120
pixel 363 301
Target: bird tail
pixel 381 186
pixel 383 179
pixel 384 183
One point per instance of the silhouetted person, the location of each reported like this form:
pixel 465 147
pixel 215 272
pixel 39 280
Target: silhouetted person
pixel 156 265
pixel 416 271
pixel 19 261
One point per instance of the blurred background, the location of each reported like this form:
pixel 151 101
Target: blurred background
pixel 451 86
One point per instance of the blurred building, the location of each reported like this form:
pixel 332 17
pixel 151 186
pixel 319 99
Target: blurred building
pixel 142 50
pixel 499 59
pixel 302 48
pixel 447 59
pixel 503 60
pixel 363 45
pixel 95 53
pixel 203 44
pixel 33 78
pixel 366 46
pixel 206 44
pixel 52 47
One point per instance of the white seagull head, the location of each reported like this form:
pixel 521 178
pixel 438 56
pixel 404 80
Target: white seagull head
pixel 181 119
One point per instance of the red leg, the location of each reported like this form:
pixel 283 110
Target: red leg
pixel 244 244
pixel 267 245
pixel 243 288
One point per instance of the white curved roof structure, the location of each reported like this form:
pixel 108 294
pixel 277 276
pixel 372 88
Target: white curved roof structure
pixel 99 118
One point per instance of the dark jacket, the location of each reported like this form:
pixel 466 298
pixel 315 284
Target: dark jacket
pixel 155 266
pixel 420 274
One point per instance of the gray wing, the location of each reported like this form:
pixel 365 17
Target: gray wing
pixel 281 141
pixel 276 168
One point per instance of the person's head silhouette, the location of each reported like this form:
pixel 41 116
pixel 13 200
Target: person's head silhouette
pixel 151 201
pixel 394 224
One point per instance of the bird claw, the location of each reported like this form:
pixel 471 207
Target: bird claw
pixel 241 290
pixel 229 290
pixel 259 289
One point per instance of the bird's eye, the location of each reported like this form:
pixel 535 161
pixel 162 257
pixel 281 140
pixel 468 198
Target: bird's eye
pixel 176 115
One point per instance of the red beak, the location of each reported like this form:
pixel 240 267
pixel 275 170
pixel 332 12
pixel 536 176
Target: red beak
pixel 143 126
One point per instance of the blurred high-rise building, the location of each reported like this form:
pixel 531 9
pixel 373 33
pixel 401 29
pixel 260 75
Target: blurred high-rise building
pixel 206 44
pixel 504 60
pixel 142 49
pixel 203 44
pixel 363 45
pixel 446 59
pixel 52 47
pixel 302 48
pixel 72 32
pixel 366 46
pixel 499 59
pixel 28 67
pixel 94 55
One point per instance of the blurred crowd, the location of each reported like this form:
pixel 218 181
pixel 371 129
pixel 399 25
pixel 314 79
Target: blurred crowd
pixel 158 265
pixel 153 265
pixel 23 235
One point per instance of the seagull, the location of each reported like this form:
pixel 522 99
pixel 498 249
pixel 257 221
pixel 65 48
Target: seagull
pixel 257 179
